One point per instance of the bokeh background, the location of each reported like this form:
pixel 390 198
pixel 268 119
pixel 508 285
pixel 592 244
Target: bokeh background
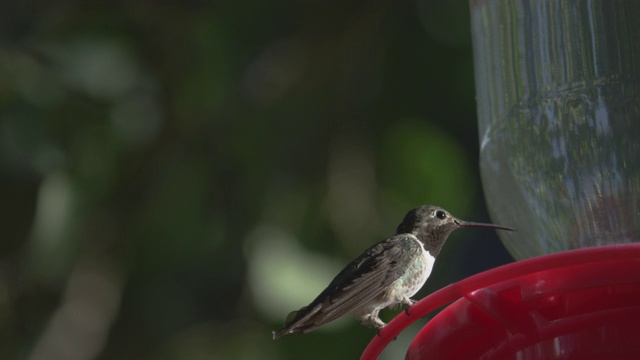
pixel 176 176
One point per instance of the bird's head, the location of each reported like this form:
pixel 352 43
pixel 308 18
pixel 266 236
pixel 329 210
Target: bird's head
pixel 432 225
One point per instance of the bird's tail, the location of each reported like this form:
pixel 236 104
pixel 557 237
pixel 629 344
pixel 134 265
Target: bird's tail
pixel 297 321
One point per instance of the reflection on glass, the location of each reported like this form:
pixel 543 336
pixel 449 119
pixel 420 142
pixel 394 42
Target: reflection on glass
pixel 558 89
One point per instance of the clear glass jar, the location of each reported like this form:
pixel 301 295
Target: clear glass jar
pixel 558 92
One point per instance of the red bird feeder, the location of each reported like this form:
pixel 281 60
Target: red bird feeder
pixel 578 304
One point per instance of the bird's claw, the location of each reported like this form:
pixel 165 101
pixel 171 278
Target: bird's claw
pixel 409 303
pixel 379 334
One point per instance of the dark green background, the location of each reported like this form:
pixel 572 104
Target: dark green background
pixel 175 176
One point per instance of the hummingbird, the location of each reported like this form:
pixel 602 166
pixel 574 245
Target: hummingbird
pixel 387 274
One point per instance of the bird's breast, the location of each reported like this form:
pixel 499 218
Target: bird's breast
pixel 417 273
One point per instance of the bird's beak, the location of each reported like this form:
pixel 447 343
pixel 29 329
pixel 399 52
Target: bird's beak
pixel 468 224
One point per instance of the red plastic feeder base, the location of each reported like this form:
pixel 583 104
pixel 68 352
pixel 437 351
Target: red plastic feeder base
pixel 580 304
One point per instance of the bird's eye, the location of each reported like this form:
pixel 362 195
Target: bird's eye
pixel 441 214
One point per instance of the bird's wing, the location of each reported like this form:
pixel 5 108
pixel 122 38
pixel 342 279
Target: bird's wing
pixel 361 281
pixel 369 276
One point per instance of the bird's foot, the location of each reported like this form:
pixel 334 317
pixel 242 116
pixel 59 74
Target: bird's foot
pixel 379 333
pixel 373 321
pixel 409 303
pixel 379 328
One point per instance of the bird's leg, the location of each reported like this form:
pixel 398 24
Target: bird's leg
pixel 407 302
pixel 372 319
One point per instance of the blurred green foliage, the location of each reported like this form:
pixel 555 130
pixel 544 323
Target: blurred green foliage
pixel 178 175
